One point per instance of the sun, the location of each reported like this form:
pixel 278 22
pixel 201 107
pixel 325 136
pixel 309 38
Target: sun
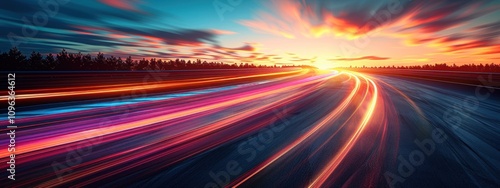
pixel 324 66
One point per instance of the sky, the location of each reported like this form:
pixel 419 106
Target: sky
pixel 322 33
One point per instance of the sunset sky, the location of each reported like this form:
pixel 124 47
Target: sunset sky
pixel 312 32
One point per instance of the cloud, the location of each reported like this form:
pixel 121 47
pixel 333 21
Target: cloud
pixel 361 58
pixel 185 36
pixel 270 28
pixel 246 47
pixel 493 50
pixel 482 36
pixel 420 21
pixel 301 59
pixel 223 32
pixel 314 18
pixel 435 16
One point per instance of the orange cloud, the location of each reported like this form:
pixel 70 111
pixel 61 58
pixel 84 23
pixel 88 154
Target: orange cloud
pixel 493 50
pixel 222 32
pixel 361 58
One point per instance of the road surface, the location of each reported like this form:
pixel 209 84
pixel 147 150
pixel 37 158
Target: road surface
pixel 259 129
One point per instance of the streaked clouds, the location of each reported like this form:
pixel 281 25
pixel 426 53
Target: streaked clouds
pixel 361 58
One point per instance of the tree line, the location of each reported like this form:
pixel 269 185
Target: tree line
pixel 64 61
pixel 492 67
pixel 15 60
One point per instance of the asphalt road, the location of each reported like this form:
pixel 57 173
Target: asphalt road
pixel 290 129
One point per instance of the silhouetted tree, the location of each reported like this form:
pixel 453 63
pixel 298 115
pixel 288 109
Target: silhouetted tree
pixel 129 63
pixel 35 61
pixel 100 62
pixel 87 63
pixel 49 63
pixel 62 60
pixel 15 60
